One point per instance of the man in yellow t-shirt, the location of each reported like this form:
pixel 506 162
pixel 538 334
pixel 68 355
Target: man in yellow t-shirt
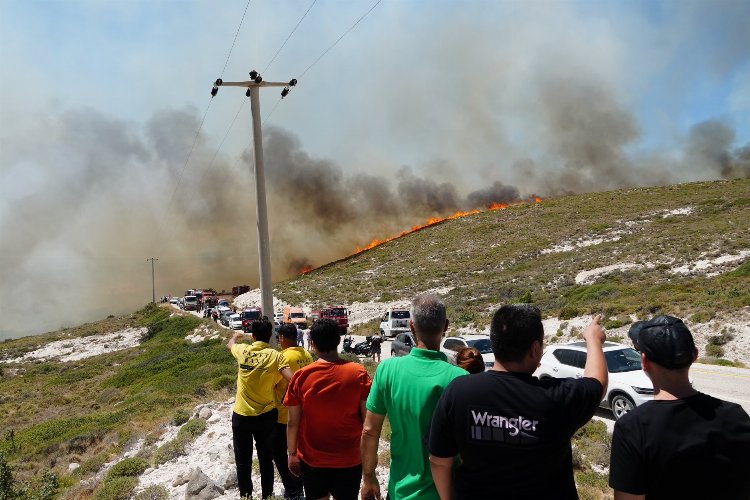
pixel 254 414
pixel 297 357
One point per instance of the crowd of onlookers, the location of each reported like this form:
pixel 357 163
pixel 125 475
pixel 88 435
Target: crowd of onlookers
pixel 500 433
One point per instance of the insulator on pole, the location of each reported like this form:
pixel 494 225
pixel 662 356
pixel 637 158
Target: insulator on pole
pixel 292 82
pixel 218 82
pixel 214 91
pixel 253 75
pixel 285 92
pixel 247 94
pixel 258 79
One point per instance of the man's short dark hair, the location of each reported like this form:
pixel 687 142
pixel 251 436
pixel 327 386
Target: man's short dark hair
pixel 326 334
pixel 514 329
pixel 261 329
pixel 288 331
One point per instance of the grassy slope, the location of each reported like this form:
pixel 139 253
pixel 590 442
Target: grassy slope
pixel 495 257
pixel 86 410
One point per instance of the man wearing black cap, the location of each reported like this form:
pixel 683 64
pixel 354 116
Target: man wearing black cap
pixel 683 444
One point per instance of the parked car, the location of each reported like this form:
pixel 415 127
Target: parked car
pixel 451 345
pixel 224 317
pixel 223 302
pixel 402 344
pixel 234 321
pixel 628 384
pixel 174 301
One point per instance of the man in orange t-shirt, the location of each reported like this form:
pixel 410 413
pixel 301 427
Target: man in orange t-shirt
pixel 326 402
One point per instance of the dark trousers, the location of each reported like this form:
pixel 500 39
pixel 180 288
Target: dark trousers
pixel 292 483
pixel 244 431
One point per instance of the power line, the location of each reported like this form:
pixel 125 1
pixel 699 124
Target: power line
pixel 339 39
pixel 211 163
pixel 200 126
pixel 290 36
pixel 190 153
pixel 235 39
pixel 326 50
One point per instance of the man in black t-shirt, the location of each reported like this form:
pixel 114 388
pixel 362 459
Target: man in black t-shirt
pixel 512 430
pixel 683 444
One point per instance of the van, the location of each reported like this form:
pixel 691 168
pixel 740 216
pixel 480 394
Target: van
pixel 295 315
pixel 394 321
pixel 191 303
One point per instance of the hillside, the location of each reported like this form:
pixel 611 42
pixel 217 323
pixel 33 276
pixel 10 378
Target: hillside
pixel 682 250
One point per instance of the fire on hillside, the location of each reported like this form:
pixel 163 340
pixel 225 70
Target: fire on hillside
pixel 430 222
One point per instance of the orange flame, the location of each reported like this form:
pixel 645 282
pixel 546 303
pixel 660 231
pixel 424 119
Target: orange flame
pixel 430 222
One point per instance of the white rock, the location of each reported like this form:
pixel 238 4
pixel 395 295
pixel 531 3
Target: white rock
pixel 205 413
pixel 73 466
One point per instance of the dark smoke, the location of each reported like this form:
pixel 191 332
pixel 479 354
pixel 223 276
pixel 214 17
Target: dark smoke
pixel 101 195
pixel 709 145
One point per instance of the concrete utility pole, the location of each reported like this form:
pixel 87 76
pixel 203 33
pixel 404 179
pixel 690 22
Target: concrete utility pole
pixel 264 248
pixel 153 283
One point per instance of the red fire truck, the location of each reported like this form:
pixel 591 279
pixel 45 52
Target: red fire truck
pixel 337 313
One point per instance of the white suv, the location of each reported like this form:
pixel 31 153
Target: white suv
pixel 451 345
pixel 628 384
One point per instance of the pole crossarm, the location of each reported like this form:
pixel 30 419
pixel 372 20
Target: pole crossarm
pixel 253 84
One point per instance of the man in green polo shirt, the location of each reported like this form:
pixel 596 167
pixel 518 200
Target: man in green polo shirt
pixel 407 389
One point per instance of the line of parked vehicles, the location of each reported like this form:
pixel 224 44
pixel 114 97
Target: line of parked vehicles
pixel 628 384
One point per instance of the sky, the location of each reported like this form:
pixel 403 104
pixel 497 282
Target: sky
pixel 112 149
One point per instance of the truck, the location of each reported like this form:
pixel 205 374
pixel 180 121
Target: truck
pixel 210 299
pixel 240 289
pixel 337 313
pixel 249 315
pixel 190 303
pixel 294 315
pixel 393 322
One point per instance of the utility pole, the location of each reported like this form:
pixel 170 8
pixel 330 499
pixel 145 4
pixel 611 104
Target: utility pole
pixel 153 283
pixel 264 248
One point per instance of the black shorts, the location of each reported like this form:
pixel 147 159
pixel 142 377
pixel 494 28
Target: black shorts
pixel 342 484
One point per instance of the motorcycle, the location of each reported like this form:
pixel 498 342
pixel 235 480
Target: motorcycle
pixel 363 348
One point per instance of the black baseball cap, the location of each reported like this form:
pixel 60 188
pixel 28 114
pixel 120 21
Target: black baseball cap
pixel 665 340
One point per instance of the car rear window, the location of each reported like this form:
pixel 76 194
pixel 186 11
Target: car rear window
pixel 482 345
pixel 400 314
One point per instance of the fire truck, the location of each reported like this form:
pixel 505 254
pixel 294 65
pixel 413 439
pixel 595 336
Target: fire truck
pixel 249 315
pixel 337 313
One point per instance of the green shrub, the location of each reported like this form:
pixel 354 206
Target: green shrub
pixel 193 428
pixel 169 451
pixel 702 316
pixel 568 312
pixel 128 467
pixel 180 417
pixel 119 488
pixel 176 447
pixel 526 298
pixel 6 478
pixel 720 339
pixel 93 464
pixel 611 324
pixel 714 350
pixel 223 382
pixel 153 492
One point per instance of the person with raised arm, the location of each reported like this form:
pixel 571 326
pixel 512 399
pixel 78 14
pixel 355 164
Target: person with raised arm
pixel 511 430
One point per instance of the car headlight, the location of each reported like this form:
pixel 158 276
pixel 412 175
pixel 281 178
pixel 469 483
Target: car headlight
pixel 643 390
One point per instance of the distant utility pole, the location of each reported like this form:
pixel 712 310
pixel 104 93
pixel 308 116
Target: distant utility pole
pixel 153 283
pixel 264 248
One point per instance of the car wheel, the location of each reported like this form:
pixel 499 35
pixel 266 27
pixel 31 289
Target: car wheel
pixel 621 404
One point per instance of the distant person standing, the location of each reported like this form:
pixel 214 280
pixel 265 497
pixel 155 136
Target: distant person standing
pixel 254 414
pixel 375 347
pixel 406 389
pixel 511 429
pixel 300 336
pixel 297 357
pixel 683 444
pixel 326 402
